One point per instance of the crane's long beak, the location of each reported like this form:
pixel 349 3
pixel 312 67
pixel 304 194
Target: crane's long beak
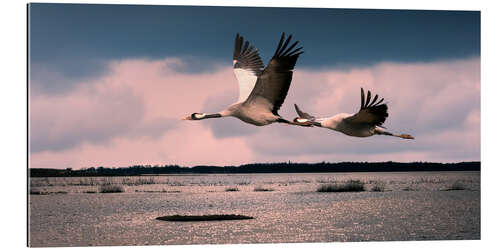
pixel 406 136
pixel 187 118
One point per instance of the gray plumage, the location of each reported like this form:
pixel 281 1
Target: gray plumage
pixel 369 112
pixel 274 82
pixel 262 91
pixel 366 122
pixel 247 56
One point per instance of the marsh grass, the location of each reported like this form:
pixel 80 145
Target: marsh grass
pixel 457 185
pixel 408 188
pixel 232 189
pixel 323 181
pixel 243 183
pixel 156 191
pixel 428 180
pixel 348 186
pixel 111 188
pixel 296 181
pixel 99 181
pixel 378 187
pixel 38 192
pixel 262 189
pixel 139 181
pixel 35 191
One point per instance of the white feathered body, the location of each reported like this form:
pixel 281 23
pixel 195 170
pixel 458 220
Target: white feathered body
pixel 246 81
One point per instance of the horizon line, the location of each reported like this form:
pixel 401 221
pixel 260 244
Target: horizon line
pixel 254 163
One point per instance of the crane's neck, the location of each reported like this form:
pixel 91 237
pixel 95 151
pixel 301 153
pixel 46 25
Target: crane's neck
pixel 201 116
pixel 230 111
pixel 225 113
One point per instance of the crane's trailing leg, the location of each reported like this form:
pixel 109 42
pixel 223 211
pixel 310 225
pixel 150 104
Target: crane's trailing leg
pixel 380 131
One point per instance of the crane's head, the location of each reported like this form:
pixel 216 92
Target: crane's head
pixel 302 122
pixel 195 116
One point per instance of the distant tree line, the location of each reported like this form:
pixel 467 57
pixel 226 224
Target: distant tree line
pixel 283 167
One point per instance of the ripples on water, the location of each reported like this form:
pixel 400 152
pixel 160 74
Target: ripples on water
pixel 412 206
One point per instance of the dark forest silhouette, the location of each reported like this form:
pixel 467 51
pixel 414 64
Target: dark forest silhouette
pixel 284 167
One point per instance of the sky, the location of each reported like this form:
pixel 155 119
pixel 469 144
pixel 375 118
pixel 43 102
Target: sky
pixel 108 84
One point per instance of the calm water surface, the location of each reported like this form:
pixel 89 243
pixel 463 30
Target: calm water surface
pixel 412 206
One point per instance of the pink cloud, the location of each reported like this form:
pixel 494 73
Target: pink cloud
pixel 437 102
pixel 190 144
pixel 167 93
pixel 131 115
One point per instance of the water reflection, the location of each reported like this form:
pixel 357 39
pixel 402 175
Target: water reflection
pixel 413 206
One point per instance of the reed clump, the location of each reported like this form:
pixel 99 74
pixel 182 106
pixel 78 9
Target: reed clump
pixel 262 189
pixel 457 185
pixel 232 189
pixel 111 188
pixel 348 186
pixel 378 187
pixel 38 192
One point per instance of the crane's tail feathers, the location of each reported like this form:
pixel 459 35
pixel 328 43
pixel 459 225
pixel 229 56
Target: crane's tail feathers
pixel 303 114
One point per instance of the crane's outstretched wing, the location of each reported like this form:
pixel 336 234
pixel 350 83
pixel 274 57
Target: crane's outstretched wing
pixel 371 111
pixel 247 66
pixel 273 84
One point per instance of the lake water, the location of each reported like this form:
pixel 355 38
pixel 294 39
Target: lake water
pixel 412 206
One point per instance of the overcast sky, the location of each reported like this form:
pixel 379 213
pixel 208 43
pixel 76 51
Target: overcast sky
pixel 109 84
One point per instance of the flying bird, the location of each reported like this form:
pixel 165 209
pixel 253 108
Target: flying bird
pixel 366 122
pixel 262 91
